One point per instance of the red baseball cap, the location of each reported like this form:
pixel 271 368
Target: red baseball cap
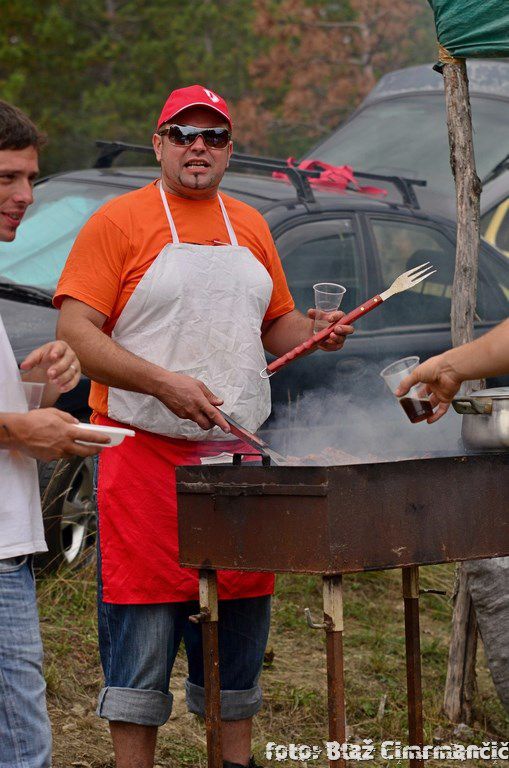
pixel 193 96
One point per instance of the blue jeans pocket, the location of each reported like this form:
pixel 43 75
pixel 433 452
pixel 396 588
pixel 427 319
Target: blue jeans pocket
pixel 12 564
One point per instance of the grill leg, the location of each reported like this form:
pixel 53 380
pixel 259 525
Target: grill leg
pixel 209 617
pixel 413 658
pixel 333 622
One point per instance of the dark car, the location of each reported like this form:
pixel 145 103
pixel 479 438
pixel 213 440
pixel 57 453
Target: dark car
pixel 400 128
pixel 360 241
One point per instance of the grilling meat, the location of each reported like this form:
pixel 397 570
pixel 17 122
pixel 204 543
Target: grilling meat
pixel 331 457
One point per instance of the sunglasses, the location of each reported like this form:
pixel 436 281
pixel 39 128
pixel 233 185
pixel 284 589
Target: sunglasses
pixel 185 135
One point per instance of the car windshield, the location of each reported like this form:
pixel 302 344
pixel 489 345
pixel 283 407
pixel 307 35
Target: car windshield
pixel 49 229
pixel 408 136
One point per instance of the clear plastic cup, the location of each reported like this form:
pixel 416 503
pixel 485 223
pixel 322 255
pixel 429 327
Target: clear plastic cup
pixel 33 393
pixel 416 405
pixel 328 297
pixel 18 396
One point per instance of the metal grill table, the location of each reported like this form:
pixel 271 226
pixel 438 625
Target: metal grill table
pixel 332 521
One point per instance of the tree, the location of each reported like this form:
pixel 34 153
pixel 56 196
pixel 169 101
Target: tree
pixel 322 58
pixel 292 69
pixel 103 68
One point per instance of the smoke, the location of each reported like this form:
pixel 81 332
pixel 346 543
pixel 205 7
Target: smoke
pixel 365 421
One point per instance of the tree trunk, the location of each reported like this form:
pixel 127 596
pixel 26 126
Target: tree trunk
pixel 460 681
pixel 460 684
pixel 468 191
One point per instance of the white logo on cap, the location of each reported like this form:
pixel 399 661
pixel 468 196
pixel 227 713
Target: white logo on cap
pixel 212 96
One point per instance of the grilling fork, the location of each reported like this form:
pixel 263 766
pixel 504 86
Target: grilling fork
pixel 402 283
pixel 254 441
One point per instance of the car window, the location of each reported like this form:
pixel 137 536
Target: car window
pixel 403 245
pixel 495 227
pixel 407 135
pixel 49 229
pixel 321 252
pixel 493 287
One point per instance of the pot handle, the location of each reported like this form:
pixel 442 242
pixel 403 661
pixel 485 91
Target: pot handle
pixel 472 407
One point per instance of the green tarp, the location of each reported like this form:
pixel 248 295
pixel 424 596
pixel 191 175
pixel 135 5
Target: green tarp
pixel 472 27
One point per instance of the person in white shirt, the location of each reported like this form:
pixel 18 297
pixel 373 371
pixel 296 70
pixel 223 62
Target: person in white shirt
pixel 46 434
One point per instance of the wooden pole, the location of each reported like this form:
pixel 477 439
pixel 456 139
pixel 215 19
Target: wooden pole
pixel 460 683
pixel 208 617
pixel 410 579
pixel 333 624
pixel 468 192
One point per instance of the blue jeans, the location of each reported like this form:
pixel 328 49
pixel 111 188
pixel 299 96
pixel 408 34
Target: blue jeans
pixel 139 643
pixel 25 733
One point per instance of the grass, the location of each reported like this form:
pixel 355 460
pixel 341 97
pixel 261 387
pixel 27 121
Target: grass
pixel 294 678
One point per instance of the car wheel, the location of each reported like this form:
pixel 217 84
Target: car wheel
pixel 69 513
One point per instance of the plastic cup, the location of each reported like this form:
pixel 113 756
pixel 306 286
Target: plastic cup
pixel 416 406
pixel 33 393
pixel 18 396
pixel 328 297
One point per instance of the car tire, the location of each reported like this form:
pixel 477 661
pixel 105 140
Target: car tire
pixel 69 513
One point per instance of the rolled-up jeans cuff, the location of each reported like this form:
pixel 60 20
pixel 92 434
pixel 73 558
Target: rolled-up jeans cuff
pixel 134 705
pixel 235 705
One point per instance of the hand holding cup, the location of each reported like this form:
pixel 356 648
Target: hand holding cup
pixel 328 297
pixel 416 403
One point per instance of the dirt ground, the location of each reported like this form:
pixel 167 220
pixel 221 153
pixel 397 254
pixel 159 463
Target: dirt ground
pixel 294 680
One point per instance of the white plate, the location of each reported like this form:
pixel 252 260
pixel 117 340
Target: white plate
pixel 116 434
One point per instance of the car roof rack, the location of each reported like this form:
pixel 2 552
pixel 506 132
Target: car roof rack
pixel 110 150
pixel 297 176
pixel 404 186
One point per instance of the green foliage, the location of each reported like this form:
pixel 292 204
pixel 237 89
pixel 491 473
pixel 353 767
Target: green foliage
pixel 103 68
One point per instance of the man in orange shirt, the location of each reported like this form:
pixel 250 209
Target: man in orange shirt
pixel 169 296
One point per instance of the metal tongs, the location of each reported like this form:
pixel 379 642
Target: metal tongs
pixel 254 441
pixel 402 283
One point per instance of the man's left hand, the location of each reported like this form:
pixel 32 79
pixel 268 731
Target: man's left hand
pixel 338 336
pixel 55 363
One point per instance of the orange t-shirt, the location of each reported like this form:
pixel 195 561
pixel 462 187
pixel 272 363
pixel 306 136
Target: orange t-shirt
pixel 121 240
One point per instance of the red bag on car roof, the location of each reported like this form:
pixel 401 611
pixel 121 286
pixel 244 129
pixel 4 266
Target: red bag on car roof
pixel 337 177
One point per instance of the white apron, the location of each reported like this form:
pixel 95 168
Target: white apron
pixel 21 528
pixel 198 310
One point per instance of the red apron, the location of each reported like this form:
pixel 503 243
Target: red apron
pixel 137 505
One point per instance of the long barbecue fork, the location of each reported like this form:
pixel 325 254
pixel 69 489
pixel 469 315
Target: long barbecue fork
pixel 402 283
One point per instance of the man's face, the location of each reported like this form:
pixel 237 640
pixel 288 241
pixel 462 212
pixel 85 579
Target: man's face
pixel 194 171
pixel 18 171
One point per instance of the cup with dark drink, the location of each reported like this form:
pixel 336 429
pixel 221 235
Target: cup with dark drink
pixel 416 405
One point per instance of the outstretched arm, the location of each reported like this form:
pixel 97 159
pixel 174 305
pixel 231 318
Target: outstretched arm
pixel 443 375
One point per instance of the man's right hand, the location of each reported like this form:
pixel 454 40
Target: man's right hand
pixel 189 398
pixel 48 434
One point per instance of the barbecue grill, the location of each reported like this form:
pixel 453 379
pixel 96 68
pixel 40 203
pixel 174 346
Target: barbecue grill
pixel 331 521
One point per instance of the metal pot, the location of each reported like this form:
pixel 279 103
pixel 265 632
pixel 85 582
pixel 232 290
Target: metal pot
pixel 485 418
